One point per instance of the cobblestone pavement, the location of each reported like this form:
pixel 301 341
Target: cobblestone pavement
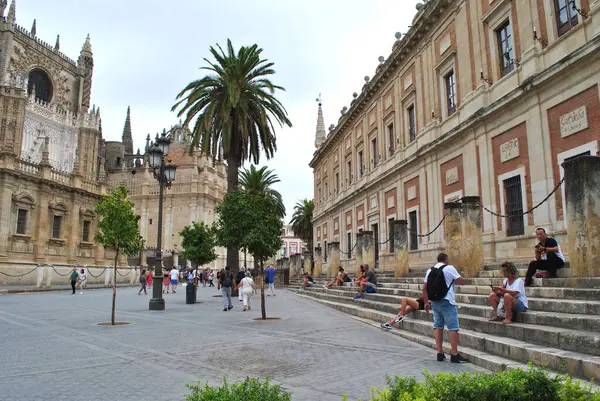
pixel 52 349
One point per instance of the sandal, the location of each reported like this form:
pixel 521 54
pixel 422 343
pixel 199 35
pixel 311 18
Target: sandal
pixel 495 319
pixel 506 321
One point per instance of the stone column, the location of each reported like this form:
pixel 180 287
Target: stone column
pixel 73 237
pixel 400 228
pixel 298 264
pixel 293 266
pixel 358 249
pixel 308 263
pixel 333 250
pixel 43 231
pixel 472 247
pixel 286 263
pixel 6 220
pixel 453 234
pixel 318 261
pixel 368 253
pixel 175 259
pixel 582 193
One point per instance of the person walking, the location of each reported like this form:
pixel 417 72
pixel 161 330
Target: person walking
pixel 74 276
pixel 225 284
pixel 438 287
pixel 166 280
pixel 240 276
pixel 211 277
pixel 270 277
pixel 143 282
pixel 81 280
pixel 149 278
pixel 247 288
pixel 174 280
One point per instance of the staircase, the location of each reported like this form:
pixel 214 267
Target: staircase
pixel 560 331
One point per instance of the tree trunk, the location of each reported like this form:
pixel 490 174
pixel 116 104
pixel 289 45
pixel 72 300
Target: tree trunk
pixel 263 311
pixel 114 303
pixel 232 183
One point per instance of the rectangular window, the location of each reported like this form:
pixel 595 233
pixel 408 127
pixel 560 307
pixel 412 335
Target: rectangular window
pixel 326 190
pixel 56 226
pixel 319 192
pixel 375 228
pixel 566 17
pixel 22 221
pixel 505 47
pixel 391 139
pixel 374 152
pixel 324 251
pixel 412 123
pixel 349 245
pixel 349 172
pixel 450 93
pixel 150 221
pixel 85 233
pixel 361 166
pixel 337 182
pixel 413 225
pixel 391 235
pixel 514 206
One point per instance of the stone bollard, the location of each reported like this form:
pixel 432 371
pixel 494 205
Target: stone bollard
pixel 298 264
pixel 359 252
pixel 307 262
pixel 453 234
pixel 369 249
pixel 472 248
pixel 400 228
pixel 107 276
pixel 294 264
pixel 40 276
pixel 286 263
pixel 582 193
pixel 318 261
pixel 49 271
pixel 135 274
pixel 333 250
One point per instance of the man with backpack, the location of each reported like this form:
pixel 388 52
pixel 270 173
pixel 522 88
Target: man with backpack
pixel 227 282
pixel 439 289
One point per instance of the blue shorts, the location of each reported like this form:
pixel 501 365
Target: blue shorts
pixel 520 307
pixel 174 282
pixel 444 314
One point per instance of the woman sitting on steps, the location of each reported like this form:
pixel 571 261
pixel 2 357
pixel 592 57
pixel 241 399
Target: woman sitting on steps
pixel 510 298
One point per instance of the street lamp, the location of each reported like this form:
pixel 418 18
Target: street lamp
pixel 164 172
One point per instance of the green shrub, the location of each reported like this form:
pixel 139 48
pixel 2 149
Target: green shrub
pixel 248 390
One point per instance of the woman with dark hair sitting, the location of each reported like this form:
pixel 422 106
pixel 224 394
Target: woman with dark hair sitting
pixel 510 298
pixel 339 280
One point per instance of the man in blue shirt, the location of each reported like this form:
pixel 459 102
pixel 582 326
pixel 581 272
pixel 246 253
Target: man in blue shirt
pixel 270 279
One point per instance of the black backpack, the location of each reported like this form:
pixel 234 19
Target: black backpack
pixel 436 284
pixel 226 279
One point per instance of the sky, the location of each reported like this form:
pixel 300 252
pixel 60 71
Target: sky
pixel 146 51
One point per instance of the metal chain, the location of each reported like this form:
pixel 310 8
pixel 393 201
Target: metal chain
pixel 90 273
pixel 356 242
pixel 19 275
pixel 385 242
pixel 528 211
pixel 430 232
pixel 64 275
pixel 123 275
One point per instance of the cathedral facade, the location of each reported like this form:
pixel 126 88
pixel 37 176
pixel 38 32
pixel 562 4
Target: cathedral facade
pixel 55 164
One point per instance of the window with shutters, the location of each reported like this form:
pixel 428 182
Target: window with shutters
pixel 22 221
pixel 566 17
pixel 514 206
pixel 413 226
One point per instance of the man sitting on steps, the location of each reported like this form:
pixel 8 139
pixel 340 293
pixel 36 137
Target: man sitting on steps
pixel 369 282
pixel 547 257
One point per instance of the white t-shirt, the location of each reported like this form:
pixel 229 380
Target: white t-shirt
pixel 518 285
pixel 82 276
pixel 247 284
pixel 450 274
pixel 174 274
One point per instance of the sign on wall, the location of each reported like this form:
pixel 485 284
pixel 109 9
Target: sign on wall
pixel 573 122
pixel 509 150
pixel 452 176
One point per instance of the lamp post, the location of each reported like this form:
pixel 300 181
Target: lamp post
pixel 164 172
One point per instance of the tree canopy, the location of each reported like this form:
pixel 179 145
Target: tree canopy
pixel 260 181
pixel 198 243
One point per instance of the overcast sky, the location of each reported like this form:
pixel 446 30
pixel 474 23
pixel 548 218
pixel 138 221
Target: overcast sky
pixel 146 51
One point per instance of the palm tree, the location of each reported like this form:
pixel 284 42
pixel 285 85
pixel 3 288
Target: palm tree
pixel 234 109
pixel 302 221
pixel 260 182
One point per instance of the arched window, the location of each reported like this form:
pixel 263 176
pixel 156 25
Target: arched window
pixel 43 86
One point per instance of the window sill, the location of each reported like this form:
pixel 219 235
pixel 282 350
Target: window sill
pixel 21 237
pixel 84 244
pixel 57 241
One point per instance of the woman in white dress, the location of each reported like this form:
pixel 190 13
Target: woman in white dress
pixel 246 288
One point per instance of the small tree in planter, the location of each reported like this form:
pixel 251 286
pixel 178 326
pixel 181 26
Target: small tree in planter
pixel 118 230
pixel 198 243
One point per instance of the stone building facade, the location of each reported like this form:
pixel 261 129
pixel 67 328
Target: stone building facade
pixel 479 98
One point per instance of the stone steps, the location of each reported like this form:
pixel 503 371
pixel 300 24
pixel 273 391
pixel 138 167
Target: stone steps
pixel 543 345
pixel 492 352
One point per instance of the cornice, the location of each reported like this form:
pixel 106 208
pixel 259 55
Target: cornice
pixel 402 51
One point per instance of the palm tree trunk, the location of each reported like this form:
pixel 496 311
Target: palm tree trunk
pixel 114 299
pixel 233 167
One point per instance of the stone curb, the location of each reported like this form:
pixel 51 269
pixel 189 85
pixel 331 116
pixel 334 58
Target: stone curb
pixel 32 290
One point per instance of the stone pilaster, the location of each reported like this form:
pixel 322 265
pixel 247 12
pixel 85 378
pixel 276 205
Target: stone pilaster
pixel 582 193
pixel 43 231
pixel 318 261
pixel 453 234
pixel 74 229
pixel 5 219
pixel 472 248
pixel 369 249
pixel 333 250
pixel 400 228
pixel 308 262
pixel 359 251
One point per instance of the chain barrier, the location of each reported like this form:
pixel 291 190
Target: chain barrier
pixel 345 253
pixel 64 275
pixel 90 273
pixel 19 275
pixel 385 242
pixel 528 211
pixel 430 232
pixel 123 275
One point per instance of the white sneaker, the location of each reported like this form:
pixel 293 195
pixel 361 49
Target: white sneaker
pixel 386 326
pixel 399 319
pixel 81 293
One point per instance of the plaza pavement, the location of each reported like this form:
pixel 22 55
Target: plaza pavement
pixel 52 349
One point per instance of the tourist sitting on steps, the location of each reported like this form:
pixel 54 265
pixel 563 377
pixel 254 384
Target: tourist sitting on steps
pixel 509 299
pixel 340 279
pixel 308 281
pixel 548 256
pixel 361 276
pixel 369 283
pixel 408 305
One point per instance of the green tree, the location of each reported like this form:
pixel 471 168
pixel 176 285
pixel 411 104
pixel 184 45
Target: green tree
pixel 118 230
pixel 198 243
pixel 233 110
pixel 302 221
pixel 260 182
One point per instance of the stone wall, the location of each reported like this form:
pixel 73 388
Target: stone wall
pixel 47 275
